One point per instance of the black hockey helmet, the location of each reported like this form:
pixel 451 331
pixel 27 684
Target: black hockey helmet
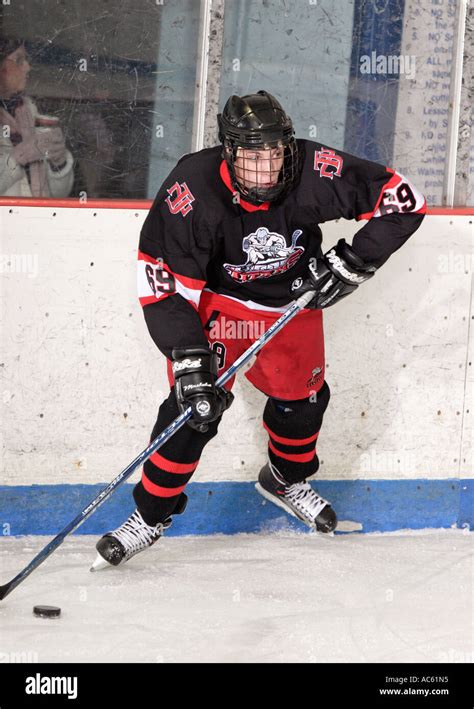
pixel 258 122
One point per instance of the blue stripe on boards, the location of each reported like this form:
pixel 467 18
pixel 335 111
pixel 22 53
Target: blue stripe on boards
pixel 233 507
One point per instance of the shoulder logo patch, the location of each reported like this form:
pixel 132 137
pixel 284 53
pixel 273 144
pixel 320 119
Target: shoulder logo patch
pixel 180 199
pixel 328 163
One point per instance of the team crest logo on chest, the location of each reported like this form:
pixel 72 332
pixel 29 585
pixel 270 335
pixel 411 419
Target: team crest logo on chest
pixel 327 163
pixel 267 255
pixel 180 199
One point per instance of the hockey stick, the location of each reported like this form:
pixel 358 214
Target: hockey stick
pixel 164 436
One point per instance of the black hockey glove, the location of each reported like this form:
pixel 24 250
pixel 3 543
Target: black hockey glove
pixel 195 374
pixel 337 274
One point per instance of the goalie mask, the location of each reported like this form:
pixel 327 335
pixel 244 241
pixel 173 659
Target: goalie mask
pixel 259 147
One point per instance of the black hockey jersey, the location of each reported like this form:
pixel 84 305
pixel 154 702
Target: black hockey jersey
pixel 202 240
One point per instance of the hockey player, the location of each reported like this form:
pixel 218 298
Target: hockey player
pixel 233 235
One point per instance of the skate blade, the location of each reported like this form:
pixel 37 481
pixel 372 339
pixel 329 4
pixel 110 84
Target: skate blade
pixel 348 525
pixel 100 563
pixel 271 498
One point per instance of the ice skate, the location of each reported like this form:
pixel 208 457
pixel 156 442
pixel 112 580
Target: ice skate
pixel 298 499
pixel 132 537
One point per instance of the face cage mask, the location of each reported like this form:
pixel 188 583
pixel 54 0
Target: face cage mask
pixel 286 178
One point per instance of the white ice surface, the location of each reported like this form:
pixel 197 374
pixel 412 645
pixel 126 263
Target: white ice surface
pixel 283 597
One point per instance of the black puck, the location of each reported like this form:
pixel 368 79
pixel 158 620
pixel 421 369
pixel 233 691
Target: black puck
pixel 47 611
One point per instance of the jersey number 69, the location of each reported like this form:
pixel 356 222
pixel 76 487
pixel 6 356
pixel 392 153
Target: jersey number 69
pixel 160 281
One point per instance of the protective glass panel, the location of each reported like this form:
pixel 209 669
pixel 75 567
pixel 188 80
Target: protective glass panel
pixel 371 78
pixel 105 87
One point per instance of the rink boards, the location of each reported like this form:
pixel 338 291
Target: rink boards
pixel 82 382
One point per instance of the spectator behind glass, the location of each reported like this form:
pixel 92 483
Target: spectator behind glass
pixel 34 160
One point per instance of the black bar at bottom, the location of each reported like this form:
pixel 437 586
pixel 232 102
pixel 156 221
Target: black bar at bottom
pixel 332 686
